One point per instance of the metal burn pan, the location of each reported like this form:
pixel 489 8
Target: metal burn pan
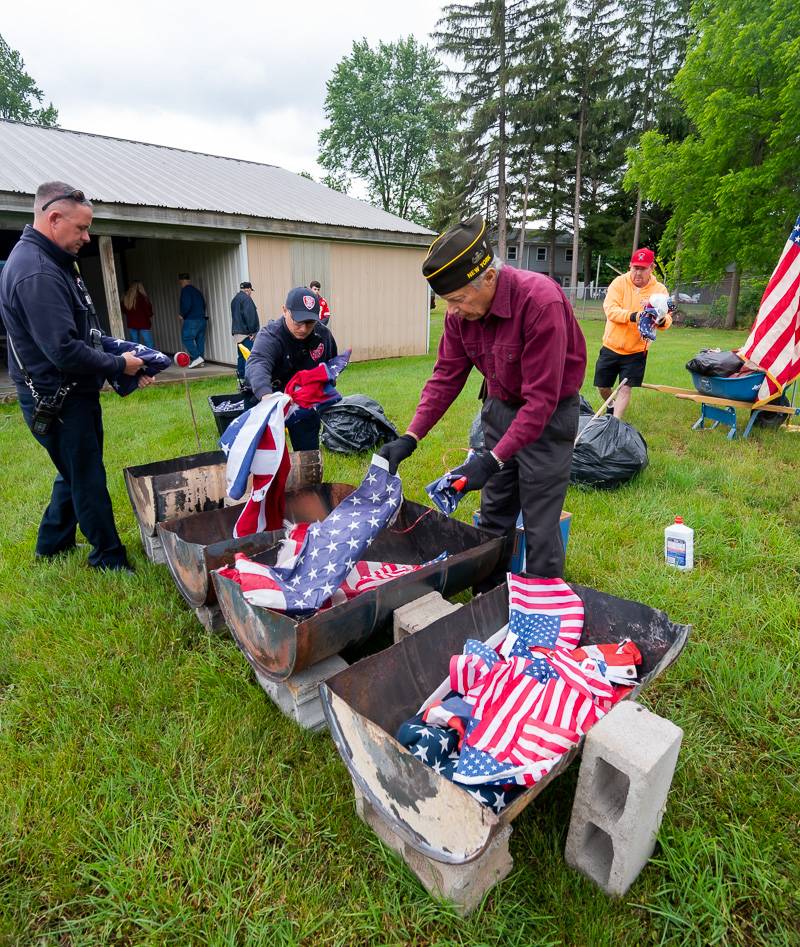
pixel 366 703
pixel 277 645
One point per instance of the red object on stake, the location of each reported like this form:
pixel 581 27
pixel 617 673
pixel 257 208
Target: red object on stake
pixel 458 485
pixel 182 360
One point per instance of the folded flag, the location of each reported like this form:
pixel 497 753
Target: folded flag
pixel 329 550
pixel 443 495
pixel 647 324
pixel 154 362
pixel 255 443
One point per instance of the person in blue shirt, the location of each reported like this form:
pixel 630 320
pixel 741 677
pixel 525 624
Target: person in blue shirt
pixel 193 317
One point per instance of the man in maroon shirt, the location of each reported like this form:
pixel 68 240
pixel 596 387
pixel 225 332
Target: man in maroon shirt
pixel 519 330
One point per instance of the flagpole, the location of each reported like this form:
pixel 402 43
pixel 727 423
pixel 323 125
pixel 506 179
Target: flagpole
pixel 182 360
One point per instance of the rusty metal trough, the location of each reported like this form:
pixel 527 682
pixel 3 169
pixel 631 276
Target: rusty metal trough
pixel 194 545
pixel 366 703
pixel 278 646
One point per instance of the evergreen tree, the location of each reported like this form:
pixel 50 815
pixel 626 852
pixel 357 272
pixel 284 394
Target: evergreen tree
pixel 595 81
pixel 496 45
pixel 19 94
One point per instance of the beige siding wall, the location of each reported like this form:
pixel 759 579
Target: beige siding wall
pixel 377 295
pixel 269 261
pixel 379 300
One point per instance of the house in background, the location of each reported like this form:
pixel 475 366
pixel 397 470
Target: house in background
pixel 537 254
pixel 159 211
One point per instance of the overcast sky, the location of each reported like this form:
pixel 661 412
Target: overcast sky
pixel 238 78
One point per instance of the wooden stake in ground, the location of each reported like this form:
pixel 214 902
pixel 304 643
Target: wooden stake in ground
pixel 601 409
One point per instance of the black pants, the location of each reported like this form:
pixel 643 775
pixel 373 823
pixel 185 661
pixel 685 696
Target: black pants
pixel 80 496
pixel 303 429
pixel 534 480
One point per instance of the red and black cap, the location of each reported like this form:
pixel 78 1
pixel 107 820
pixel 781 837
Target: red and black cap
pixel 458 256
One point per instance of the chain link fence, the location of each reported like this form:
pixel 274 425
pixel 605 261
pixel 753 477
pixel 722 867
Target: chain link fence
pixel 699 303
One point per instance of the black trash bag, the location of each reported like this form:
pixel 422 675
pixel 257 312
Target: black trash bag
pixel 771 419
pixel 476 438
pixel 715 364
pixel 608 454
pixel 354 424
pixel 585 407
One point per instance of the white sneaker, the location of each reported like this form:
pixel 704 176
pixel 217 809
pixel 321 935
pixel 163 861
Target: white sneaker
pixel 197 362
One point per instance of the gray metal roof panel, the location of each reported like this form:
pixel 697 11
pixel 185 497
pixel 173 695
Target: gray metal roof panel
pixel 117 171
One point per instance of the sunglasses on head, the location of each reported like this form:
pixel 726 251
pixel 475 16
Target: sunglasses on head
pixel 78 196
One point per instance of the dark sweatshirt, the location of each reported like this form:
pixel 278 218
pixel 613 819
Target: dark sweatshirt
pixel 47 319
pixel 277 356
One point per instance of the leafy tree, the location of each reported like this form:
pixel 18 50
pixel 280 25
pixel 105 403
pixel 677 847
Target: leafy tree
pixel 384 108
pixel 733 185
pixel 19 94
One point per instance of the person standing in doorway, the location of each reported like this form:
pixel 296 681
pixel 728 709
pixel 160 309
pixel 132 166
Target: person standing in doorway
pixel 623 353
pixel 244 323
pixel 139 314
pixel 194 318
pixel 324 308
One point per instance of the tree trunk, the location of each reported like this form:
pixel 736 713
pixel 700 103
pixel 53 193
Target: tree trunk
pixel 637 221
pixel 733 299
pixel 573 279
pixel 502 196
pixel 522 228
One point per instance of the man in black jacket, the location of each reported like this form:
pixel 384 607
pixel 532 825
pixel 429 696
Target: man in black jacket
pixel 244 322
pixel 57 362
pixel 285 346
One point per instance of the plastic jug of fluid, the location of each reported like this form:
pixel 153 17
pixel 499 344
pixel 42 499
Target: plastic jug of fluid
pixel 679 545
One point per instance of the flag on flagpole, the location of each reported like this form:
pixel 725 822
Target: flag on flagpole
pixel 774 341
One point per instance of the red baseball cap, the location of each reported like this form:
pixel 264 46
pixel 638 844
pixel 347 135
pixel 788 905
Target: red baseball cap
pixel 643 257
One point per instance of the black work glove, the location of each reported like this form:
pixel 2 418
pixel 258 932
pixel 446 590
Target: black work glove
pixel 477 470
pixel 398 450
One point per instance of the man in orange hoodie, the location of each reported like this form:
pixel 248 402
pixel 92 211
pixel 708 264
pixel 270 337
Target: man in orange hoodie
pixel 623 353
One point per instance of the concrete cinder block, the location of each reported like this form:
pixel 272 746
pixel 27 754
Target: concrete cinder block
pixel 628 762
pixel 423 611
pixel 153 548
pixel 298 696
pixel 211 617
pixel 463 885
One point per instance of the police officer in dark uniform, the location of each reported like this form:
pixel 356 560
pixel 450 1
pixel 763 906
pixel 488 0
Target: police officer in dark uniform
pixel 58 366
pixel 295 342
pixel 518 329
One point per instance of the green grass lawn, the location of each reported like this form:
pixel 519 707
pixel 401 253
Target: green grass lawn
pixel 152 794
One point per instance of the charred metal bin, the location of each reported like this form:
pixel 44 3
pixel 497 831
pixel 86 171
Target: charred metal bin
pixel 366 703
pixel 168 489
pixel 278 646
pixel 194 545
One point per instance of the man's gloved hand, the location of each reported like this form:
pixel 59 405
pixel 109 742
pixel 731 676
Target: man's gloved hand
pixel 660 320
pixel 478 469
pixel 398 450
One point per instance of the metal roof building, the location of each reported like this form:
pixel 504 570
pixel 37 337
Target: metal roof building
pixel 158 211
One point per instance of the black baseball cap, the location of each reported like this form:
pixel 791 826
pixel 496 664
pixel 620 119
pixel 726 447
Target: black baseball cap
pixel 245 285
pixel 458 256
pixel 303 304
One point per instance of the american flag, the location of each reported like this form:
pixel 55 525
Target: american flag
pixel 531 601
pixel 330 550
pixel 774 342
pixel 154 362
pixel 255 443
pixel 315 386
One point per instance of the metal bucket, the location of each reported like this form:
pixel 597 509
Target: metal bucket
pixel 194 545
pixel 278 646
pixel 171 489
pixel 365 704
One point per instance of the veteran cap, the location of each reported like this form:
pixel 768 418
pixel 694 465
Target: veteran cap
pixel 458 256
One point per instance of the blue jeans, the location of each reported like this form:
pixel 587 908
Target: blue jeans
pixel 80 495
pixel 145 336
pixel 193 336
